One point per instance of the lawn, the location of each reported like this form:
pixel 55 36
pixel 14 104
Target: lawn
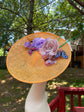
pixel 13 93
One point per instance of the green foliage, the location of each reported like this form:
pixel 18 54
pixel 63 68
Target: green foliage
pixel 1 52
pixel 72 18
pixel 5 24
pixel 48 15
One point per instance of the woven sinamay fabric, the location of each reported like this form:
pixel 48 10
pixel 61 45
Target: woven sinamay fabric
pixel 32 69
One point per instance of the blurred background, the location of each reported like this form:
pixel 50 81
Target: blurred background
pixel 19 18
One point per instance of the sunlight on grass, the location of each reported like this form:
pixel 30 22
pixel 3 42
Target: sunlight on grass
pixel 68 102
pixel 20 100
pixel 3 81
pixel 13 109
pixel 13 93
pixel 10 78
pixel 82 96
pixel 71 86
pixel 64 83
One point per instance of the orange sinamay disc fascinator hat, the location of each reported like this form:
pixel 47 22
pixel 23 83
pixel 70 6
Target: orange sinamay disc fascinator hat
pixel 38 57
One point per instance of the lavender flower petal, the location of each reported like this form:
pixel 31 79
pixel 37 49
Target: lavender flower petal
pixel 38 42
pixel 27 44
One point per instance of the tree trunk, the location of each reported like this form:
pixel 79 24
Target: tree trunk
pixel 76 6
pixel 83 47
pixel 30 20
pixel 4 52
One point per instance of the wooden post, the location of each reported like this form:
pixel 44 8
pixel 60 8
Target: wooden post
pixel 61 101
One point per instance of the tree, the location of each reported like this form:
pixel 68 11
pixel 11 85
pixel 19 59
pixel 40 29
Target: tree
pixel 5 33
pixel 78 4
pixel 43 15
pixel 19 18
pixel 20 9
pixel 24 11
pixel 69 17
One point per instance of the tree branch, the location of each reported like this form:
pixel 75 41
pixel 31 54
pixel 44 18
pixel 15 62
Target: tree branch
pixel 13 13
pixel 74 5
pixel 45 5
pixel 21 7
pixel 30 20
pixel 57 19
pixel 13 30
pixel 80 2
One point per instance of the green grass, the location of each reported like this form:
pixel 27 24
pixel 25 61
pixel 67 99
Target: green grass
pixel 13 93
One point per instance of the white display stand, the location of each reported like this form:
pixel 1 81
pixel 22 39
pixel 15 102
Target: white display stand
pixel 36 100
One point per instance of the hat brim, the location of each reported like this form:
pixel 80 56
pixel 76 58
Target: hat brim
pixel 32 69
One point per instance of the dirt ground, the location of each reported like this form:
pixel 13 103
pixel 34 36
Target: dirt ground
pixel 13 93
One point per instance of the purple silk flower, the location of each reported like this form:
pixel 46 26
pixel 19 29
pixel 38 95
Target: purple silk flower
pixel 27 44
pixel 38 42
